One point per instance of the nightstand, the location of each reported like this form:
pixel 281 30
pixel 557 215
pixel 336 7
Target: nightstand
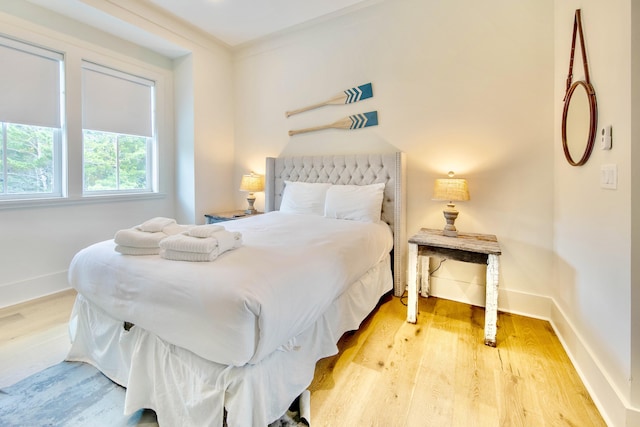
pixel 212 218
pixel 467 247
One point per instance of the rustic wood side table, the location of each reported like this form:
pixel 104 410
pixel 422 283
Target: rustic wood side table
pixel 467 247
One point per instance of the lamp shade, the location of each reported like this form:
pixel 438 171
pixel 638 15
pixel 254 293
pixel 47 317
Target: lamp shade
pixel 252 183
pixel 451 189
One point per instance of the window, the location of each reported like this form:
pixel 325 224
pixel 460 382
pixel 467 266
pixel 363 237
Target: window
pixel 118 131
pixel 31 89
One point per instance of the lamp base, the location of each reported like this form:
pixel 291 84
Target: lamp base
pixel 450 233
pixel 450 215
pixel 251 200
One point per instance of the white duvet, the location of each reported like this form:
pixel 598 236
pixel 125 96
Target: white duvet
pixel 248 302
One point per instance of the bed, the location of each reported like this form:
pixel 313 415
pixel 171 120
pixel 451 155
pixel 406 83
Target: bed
pixel 238 338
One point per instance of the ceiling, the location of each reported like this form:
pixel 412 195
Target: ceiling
pixel 233 22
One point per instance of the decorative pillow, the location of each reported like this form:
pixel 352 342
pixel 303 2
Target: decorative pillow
pixel 304 198
pixel 355 202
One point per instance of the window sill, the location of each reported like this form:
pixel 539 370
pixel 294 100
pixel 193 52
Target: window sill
pixel 81 200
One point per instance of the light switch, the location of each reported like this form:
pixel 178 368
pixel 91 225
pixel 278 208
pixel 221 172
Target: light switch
pixel 609 176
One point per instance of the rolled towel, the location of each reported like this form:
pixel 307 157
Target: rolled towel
pixel 172 229
pixel 130 250
pixel 156 224
pixel 205 230
pixel 139 239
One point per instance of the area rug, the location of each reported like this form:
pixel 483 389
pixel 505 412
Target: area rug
pixel 75 394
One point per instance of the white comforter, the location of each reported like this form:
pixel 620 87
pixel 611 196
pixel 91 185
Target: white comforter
pixel 248 302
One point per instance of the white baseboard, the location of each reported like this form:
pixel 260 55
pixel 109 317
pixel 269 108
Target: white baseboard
pixel 514 302
pixel 615 409
pixel 633 417
pixel 36 287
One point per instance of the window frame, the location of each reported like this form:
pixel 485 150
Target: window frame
pixel 151 141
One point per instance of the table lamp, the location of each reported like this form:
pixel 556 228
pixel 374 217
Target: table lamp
pixel 251 183
pixel 450 189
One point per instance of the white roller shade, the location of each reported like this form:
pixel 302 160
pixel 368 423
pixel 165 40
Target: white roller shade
pixel 30 84
pixel 114 101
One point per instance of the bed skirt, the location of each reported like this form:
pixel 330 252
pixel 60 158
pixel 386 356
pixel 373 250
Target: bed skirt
pixel 187 390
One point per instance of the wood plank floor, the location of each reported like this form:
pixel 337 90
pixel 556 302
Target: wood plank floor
pixel 389 372
pixel 34 335
pixel 438 373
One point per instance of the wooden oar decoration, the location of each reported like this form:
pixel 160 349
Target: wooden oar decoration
pixel 357 121
pixel 348 96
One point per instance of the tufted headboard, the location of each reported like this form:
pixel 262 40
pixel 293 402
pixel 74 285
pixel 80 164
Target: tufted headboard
pixel 358 169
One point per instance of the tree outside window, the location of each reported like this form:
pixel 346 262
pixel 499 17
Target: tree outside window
pixel 27 154
pixel 114 162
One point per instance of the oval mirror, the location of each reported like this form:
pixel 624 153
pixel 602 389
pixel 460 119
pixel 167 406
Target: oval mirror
pixel 579 125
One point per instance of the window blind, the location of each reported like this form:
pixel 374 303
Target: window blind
pixel 30 84
pixel 115 101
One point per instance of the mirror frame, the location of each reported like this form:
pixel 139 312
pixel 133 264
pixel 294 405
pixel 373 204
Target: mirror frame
pixel 591 95
pixel 593 119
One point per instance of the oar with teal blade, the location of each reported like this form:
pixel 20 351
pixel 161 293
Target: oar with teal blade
pixel 348 96
pixel 357 121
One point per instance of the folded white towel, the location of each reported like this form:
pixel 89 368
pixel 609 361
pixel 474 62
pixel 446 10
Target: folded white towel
pixel 184 243
pixel 130 250
pixel 188 256
pixel 206 230
pixel 221 241
pixel 139 239
pixel 174 255
pixel 155 224
pixel 227 240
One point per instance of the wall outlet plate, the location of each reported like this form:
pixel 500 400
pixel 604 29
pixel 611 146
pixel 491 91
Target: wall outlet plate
pixel 609 177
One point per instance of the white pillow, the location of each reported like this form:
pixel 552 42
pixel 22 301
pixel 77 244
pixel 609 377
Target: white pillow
pixel 355 202
pixel 304 198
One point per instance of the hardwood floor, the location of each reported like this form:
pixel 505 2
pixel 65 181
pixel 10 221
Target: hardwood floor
pixel 34 336
pixel 437 372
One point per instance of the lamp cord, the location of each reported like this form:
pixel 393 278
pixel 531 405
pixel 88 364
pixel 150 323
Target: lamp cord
pixel 404 295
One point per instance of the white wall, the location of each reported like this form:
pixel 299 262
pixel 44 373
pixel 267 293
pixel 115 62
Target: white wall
pixel 634 418
pixel 458 86
pixel 592 226
pixel 214 145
